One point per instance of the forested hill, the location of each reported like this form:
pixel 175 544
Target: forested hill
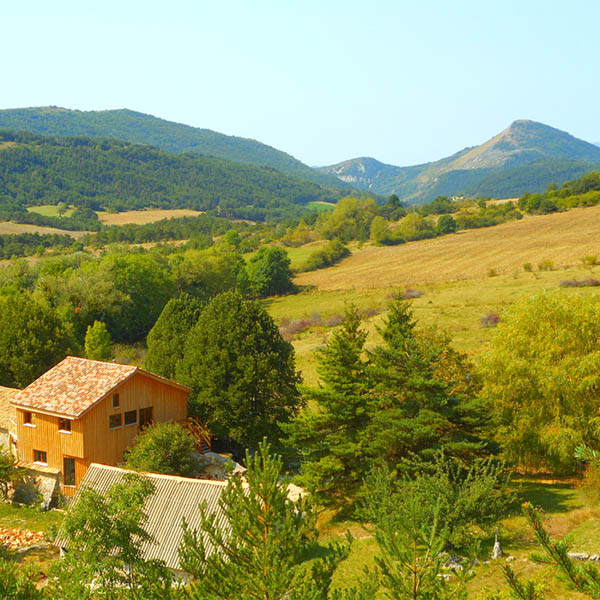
pixel 525 157
pixel 111 175
pixel 130 126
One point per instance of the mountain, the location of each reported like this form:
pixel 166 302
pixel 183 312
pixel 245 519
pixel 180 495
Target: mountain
pixel 112 175
pixel 138 128
pixel 525 157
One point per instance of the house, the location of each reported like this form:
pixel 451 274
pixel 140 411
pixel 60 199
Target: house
pixel 173 500
pixel 8 419
pixel 85 411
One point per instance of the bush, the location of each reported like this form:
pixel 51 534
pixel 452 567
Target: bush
pixel 528 267
pixel 587 282
pixel 288 329
pixel 492 273
pixel 590 261
pixel 546 265
pixel 331 253
pixel 490 320
pixel 410 294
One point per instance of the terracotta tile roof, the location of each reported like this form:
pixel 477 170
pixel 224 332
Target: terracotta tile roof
pixel 74 385
pixel 8 416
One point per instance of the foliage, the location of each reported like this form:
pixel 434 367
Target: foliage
pixel 446 224
pixel 350 220
pixel 166 339
pixel 326 256
pixel 329 439
pixel 583 578
pixel 33 338
pixel 9 471
pixel 269 272
pixel 411 556
pixel 27 244
pixel 241 370
pixel 18 582
pixel 263 552
pixel 98 345
pixel 465 500
pixel 162 448
pixel 104 558
pixel 542 375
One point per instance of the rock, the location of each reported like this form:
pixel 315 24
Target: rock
pixel 594 557
pixel 578 555
pixel 454 563
pixel 497 551
pixel 510 558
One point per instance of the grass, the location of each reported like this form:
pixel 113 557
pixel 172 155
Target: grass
pixel 141 217
pixel 7 227
pixel 321 206
pixel 49 210
pixel 27 517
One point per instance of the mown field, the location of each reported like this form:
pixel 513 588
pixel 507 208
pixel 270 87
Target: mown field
pixel 142 217
pixel 6 227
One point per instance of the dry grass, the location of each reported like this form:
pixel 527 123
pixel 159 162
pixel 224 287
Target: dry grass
pixel 562 238
pixel 13 228
pixel 141 217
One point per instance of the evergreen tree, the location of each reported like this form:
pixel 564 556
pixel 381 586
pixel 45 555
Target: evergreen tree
pixel 330 438
pixel 241 370
pixel 98 345
pixel 167 338
pixel 269 272
pixel 263 550
pixel 417 406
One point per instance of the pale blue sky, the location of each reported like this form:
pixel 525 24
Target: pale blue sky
pixel 404 82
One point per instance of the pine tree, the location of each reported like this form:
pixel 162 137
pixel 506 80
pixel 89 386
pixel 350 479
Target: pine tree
pixel 330 438
pixel 416 405
pixel 262 552
pixel 98 345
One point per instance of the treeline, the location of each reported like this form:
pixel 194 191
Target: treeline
pixel 102 174
pixel 27 244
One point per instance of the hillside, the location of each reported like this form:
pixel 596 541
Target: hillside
pixel 135 127
pixel 525 157
pixel 112 175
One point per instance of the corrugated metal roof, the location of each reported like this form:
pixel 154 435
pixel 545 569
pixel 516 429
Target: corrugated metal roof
pixel 75 384
pixel 8 414
pixel 174 499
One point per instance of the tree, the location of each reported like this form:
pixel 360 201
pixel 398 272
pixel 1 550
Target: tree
pixel 241 370
pixel 412 540
pixel 104 559
pixel 263 549
pixel 18 582
pixel 423 395
pixel 542 375
pixel 446 224
pixel 98 345
pixel 33 338
pixel 349 220
pixel 380 230
pixel 163 448
pixel 413 226
pixel 9 471
pixel 269 272
pixel 167 338
pixel 329 438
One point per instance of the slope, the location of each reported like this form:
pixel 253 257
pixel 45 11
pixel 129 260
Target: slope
pixel 111 175
pixel 130 126
pixel 540 154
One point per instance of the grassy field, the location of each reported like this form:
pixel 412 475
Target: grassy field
pixel 49 210
pixel 6 227
pixel 141 217
pixel 321 206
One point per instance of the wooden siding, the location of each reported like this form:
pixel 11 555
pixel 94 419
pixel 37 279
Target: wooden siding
pixel 91 439
pixel 106 446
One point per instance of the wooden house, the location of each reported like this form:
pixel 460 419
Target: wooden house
pixel 83 411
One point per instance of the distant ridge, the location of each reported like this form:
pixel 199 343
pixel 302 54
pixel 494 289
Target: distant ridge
pixel 139 128
pixel 526 156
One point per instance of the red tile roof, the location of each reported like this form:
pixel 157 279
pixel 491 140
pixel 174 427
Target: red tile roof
pixel 74 385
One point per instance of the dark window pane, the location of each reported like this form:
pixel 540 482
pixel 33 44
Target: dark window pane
pixel 114 421
pixel 64 424
pixel 40 456
pixel 69 470
pixel 115 400
pixel 131 417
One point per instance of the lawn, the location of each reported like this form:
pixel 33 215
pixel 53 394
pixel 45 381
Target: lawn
pixel 49 210
pixel 28 517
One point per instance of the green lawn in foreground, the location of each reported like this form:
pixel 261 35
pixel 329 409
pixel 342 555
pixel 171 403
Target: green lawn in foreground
pixel 27 517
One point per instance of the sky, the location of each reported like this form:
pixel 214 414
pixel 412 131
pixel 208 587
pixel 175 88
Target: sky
pixel 403 81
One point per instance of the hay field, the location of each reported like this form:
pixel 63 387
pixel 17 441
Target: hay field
pixel 6 227
pixel 562 238
pixel 142 217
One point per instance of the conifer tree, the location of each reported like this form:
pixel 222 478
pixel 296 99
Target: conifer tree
pixel 415 406
pixel 262 552
pixel 98 345
pixel 330 438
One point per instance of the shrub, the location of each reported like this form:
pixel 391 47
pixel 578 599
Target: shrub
pixel 492 273
pixel 528 267
pixel 410 294
pixel 546 265
pixel 334 320
pixel 370 311
pixel 587 282
pixel 292 328
pixel 590 261
pixel 490 320
pixel 326 256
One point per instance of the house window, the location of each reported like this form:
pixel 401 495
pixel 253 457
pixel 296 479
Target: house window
pixel 114 421
pixel 115 400
pixel 145 417
pixel 68 471
pixel 27 418
pixel 64 425
pixel 131 417
pixel 39 456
